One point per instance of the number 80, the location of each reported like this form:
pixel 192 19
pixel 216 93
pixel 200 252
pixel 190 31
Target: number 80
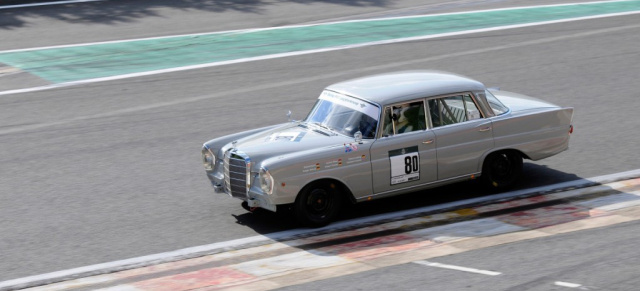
pixel 410 164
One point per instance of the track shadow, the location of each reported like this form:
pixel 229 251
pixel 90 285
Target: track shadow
pixel 123 11
pixel 534 175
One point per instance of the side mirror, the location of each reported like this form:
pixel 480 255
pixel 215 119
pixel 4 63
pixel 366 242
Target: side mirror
pixel 358 136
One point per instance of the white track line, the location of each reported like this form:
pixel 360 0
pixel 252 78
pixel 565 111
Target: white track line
pixel 565 284
pixel 47 3
pixel 458 268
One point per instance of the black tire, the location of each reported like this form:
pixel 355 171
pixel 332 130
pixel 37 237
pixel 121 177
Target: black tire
pixel 502 170
pixel 318 204
pixel 245 205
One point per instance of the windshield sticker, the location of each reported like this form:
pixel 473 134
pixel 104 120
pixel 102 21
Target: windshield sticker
pixel 405 165
pixel 350 148
pixel 286 136
pixel 352 103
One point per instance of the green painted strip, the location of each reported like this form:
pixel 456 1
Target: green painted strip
pixel 60 65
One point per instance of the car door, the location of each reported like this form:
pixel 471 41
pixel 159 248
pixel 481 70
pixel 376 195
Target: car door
pixel 405 154
pixel 462 134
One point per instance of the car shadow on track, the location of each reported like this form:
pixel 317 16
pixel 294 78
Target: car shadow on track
pixel 534 175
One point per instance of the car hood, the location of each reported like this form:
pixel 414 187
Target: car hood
pixel 286 139
pixel 519 102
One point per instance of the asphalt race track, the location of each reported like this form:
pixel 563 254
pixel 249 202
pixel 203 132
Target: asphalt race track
pixel 111 170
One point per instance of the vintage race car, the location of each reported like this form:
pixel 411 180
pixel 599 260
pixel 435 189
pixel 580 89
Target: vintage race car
pixel 386 135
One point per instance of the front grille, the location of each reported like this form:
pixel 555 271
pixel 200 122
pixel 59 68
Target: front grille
pixel 235 174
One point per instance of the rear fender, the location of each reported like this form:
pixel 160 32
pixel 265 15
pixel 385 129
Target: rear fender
pixel 537 134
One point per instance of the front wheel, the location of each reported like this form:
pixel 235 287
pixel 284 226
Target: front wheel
pixel 318 204
pixel 501 170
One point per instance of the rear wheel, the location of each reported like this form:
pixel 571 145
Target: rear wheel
pixel 501 170
pixel 318 204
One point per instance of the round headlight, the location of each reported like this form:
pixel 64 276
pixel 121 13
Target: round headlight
pixel 266 181
pixel 208 159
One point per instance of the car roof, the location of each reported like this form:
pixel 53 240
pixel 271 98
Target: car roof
pixel 398 87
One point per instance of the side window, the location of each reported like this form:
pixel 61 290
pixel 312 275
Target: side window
pixel 473 112
pixel 497 106
pixel 404 118
pixel 453 109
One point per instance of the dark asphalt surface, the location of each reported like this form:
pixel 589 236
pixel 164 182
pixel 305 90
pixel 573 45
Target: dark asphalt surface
pixel 112 170
pixel 597 259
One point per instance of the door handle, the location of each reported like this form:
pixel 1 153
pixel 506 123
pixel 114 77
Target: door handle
pixel 428 141
pixel 485 129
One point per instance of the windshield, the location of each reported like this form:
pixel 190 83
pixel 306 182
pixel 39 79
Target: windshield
pixel 344 114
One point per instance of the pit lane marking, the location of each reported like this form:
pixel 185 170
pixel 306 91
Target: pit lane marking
pixel 243 90
pixel 457 268
pixel 76 80
pixel 289 26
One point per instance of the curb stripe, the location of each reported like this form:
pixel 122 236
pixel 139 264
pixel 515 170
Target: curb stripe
pixel 258 271
pixel 392 218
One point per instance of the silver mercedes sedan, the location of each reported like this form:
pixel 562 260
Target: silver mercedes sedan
pixel 386 135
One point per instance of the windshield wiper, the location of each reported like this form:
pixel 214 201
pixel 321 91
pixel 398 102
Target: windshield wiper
pixel 323 126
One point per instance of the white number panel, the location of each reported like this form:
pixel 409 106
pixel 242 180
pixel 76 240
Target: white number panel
pixel 405 165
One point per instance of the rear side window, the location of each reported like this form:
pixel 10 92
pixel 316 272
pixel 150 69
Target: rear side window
pixel 453 109
pixel 497 106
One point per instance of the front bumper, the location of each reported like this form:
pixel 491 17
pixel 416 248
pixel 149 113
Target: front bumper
pixel 255 197
pixel 217 188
